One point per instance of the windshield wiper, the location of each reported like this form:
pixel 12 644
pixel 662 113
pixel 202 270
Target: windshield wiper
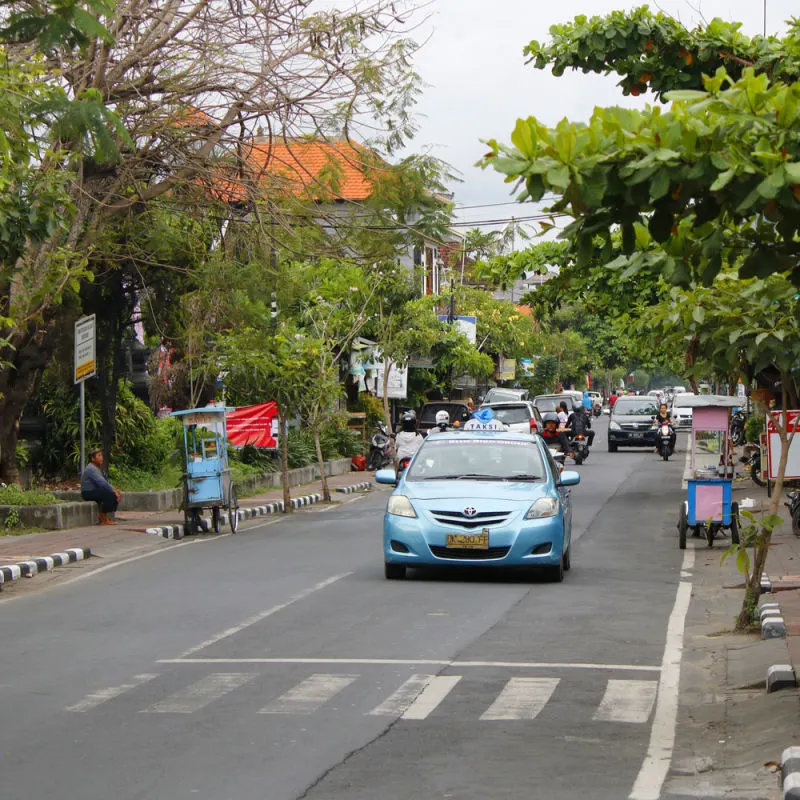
pixel 461 476
pixel 523 478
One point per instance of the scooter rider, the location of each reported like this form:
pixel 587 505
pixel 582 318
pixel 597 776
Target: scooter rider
pixel 662 417
pixel 408 439
pixel 552 436
pixel 442 422
pixel 580 422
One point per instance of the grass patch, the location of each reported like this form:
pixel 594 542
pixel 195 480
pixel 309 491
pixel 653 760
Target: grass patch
pixel 15 496
pixel 21 531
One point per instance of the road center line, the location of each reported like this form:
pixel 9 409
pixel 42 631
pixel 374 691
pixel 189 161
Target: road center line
pixel 656 764
pixel 437 662
pixel 260 616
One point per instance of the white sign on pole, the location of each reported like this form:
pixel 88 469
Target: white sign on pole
pixel 397 387
pixel 85 349
pixel 468 326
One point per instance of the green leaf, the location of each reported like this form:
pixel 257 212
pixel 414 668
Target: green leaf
pixel 659 186
pixel 558 177
pixel 793 171
pixel 723 179
pixel 743 562
pixel 699 315
pixel 772 184
pixel 685 95
pixel 761 336
pixel 523 138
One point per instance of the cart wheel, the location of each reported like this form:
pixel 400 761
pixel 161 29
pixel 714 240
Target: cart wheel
pixel 683 526
pixel 734 523
pixel 215 519
pixel 233 510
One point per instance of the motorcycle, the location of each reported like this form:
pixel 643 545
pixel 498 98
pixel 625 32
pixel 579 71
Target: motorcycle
pixel 738 421
pixel 794 510
pixel 664 441
pixel 597 410
pixel 380 449
pixel 752 458
pixel 580 448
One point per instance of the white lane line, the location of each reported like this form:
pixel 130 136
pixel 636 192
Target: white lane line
pixel 435 662
pixel 198 695
pixel 627 701
pixel 309 695
pixel 656 764
pixel 522 698
pixel 262 615
pixel 429 698
pixel 98 698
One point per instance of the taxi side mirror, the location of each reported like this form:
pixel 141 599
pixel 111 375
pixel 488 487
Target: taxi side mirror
pixel 388 476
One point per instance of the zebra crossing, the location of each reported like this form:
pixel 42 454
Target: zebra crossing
pixel 415 698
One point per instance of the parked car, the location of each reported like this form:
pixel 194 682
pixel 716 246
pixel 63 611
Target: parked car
pixel 551 402
pixel 521 417
pixel 475 498
pixel 459 412
pixel 681 413
pixel 631 423
pixel 499 394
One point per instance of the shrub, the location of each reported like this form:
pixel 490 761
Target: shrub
pixel 301 448
pixel 753 428
pixel 13 495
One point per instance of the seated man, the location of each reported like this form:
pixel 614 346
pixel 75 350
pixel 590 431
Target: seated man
pixel 94 486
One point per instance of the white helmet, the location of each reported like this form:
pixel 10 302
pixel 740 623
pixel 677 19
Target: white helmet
pixel 442 417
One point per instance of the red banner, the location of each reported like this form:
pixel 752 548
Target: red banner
pixel 256 425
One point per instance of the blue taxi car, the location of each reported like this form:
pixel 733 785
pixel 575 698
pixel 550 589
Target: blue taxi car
pixel 479 498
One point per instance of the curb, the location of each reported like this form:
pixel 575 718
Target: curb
pixel 356 487
pixel 773 625
pixel 178 531
pixel 790 773
pixel 780 676
pixel 33 566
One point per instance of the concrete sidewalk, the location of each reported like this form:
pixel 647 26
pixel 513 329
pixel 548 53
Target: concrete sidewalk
pixel 129 533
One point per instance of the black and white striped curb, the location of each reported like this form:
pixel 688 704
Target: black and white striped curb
pixel 251 512
pixel 356 487
pixel 790 773
pixel 32 566
pixel 773 625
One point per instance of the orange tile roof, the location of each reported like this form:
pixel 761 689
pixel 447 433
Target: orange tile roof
pixel 337 170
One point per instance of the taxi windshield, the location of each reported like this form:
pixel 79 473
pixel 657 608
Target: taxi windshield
pixel 477 459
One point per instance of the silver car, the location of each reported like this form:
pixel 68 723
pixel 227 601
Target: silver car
pixel 520 417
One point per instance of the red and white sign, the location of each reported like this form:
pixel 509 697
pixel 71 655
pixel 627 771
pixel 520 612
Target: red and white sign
pixel 256 425
pixel 774 446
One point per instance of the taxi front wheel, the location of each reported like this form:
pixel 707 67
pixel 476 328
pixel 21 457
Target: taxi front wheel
pixel 394 572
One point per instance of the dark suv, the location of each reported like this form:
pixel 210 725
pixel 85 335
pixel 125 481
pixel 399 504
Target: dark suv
pixel 631 423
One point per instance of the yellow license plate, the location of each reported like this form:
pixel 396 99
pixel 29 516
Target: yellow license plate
pixel 469 541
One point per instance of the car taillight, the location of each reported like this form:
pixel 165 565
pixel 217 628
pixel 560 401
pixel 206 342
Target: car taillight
pixel 534 426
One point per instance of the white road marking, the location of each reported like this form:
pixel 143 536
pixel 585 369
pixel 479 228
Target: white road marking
pixel 98 698
pixel 198 695
pixel 627 701
pixel 522 698
pixel 262 615
pixel 435 662
pixel 656 764
pixel 417 697
pixel 309 695
pixel 429 698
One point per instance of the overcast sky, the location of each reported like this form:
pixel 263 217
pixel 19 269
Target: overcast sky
pixel 478 83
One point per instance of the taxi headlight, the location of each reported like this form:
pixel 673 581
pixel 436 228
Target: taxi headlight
pixel 543 507
pixel 400 506
pixel 614 426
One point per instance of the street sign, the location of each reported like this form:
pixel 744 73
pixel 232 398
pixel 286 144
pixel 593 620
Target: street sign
pixel 85 349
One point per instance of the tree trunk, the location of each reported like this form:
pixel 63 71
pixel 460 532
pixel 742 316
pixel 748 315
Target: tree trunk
pixel 761 550
pixel 287 497
pixel 326 493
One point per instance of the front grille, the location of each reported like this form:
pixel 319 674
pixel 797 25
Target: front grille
pixel 635 426
pixel 466 554
pixel 481 520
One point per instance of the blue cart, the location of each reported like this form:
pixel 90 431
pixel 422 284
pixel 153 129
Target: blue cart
pixel 207 479
pixel 708 509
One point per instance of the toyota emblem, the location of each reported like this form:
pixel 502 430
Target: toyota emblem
pixel 469 511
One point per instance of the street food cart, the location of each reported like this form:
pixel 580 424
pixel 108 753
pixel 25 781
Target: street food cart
pixel 708 509
pixel 207 478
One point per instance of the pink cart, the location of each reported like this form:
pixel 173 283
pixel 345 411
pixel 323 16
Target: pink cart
pixel 708 509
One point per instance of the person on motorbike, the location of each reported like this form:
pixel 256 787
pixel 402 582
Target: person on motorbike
pixel 562 412
pixel 553 437
pixel 442 422
pixel 408 439
pixel 580 422
pixel 663 417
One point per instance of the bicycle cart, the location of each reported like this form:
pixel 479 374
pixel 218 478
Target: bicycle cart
pixel 708 509
pixel 207 479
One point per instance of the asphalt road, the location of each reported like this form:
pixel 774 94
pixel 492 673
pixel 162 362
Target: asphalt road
pixel 279 664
